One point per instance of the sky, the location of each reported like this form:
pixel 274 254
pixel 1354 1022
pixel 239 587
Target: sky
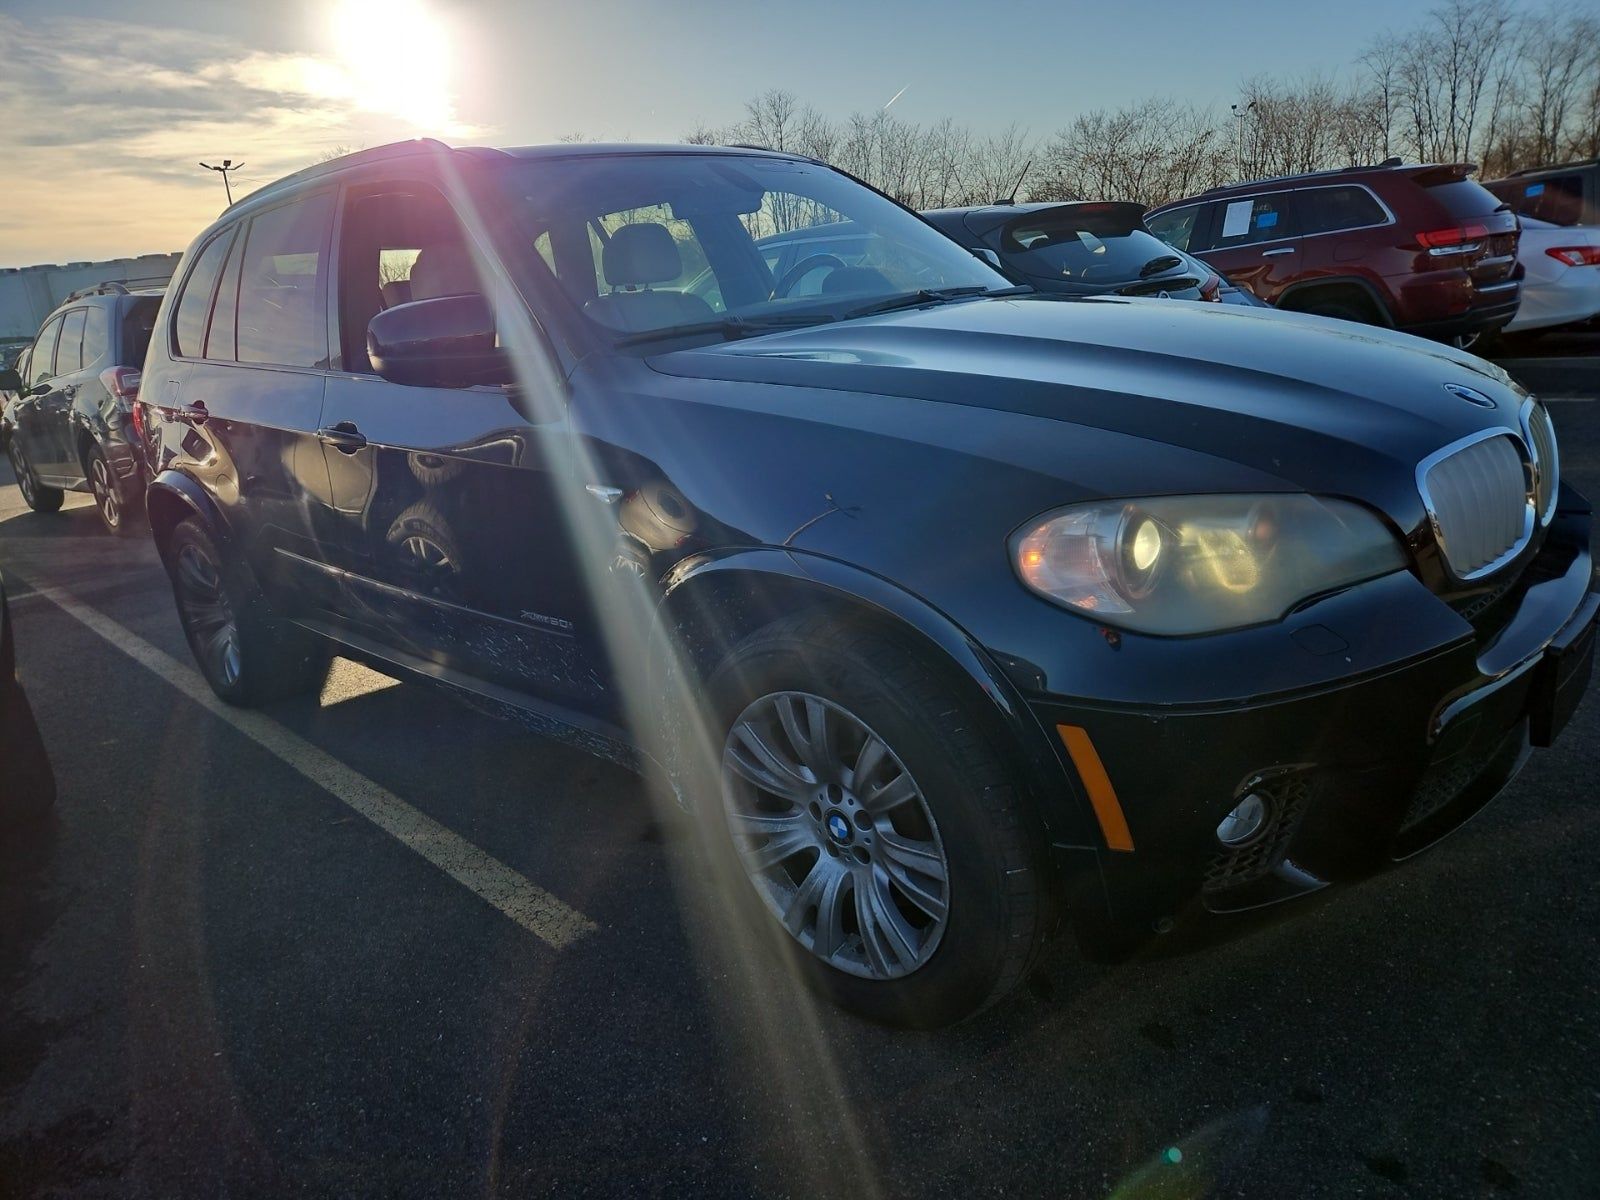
pixel 107 106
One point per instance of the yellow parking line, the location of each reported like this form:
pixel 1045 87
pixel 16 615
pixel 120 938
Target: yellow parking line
pixel 529 905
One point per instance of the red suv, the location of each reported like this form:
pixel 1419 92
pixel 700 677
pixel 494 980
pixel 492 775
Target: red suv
pixel 1424 249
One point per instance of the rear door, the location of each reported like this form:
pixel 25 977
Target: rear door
pixel 444 526
pixel 1253 240
pixel 252 325
pixel 56 454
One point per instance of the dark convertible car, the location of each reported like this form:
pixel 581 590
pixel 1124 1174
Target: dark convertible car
pixel 945 607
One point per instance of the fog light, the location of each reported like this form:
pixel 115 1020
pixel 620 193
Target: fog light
pixel 1245 823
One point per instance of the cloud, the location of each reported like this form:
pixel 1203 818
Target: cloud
pixel 104 129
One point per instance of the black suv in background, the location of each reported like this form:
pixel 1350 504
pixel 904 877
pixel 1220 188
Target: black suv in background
pixel 69 422
pixel 940 604
pixel 1083 248
pixel 1568 194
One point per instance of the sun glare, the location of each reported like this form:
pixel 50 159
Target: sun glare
pixel 398 55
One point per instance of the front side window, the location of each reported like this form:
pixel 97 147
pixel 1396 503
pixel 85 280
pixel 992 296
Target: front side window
pixel 282 318
pixel 647 242
pixel 1327 210
pixel 1176 227
pixel 69 350
pixel 1254 219
pixel 194 305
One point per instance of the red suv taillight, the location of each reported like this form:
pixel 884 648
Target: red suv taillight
pixel 1462 239
pixel 1576 256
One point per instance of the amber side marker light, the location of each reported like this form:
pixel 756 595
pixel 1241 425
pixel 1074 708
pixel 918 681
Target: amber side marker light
pixel 1102 796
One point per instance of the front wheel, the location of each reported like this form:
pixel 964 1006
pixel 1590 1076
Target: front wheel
pixel 247 655
pixel 35 495
pixel 893 855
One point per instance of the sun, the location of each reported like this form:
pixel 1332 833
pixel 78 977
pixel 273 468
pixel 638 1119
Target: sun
pixel 398 56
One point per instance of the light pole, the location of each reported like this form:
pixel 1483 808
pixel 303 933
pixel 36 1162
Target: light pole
pixel 1239 115
pixel 227 165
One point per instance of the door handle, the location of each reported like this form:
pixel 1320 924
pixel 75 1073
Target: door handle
pixel 195 412
pixel 343 437
pixel 1278 251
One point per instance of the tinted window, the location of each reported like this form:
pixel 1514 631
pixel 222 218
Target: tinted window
pixel 1557 199
pixel 1464 198
pixel 1254 219
pixel 97 337
pixel 44 353
pixel 1083 250
pixel 220 338
pixel 69 350
pixel 1323 210
pixel 138 321
pixel 282 317
pixel 1175 228
pixel 189 325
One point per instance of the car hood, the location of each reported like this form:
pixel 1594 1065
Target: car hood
pixel 1309 402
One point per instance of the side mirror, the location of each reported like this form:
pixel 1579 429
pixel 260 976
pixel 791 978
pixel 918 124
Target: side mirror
pixel 42 388
pixel 448 341
pixel 10 381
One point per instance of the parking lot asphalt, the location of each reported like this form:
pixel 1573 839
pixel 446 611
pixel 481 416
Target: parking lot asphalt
pixel 378 944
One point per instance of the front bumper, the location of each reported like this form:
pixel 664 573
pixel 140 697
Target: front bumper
pixel 1359 774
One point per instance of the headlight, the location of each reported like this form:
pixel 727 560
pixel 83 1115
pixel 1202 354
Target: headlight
pixel 1200 564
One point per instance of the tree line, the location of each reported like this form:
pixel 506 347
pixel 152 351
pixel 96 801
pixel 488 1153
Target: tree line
pixel 1475 81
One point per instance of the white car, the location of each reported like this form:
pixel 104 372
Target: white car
pixel 1563 281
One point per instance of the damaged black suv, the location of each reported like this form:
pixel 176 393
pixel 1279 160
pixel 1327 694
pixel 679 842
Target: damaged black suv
pixel 944 607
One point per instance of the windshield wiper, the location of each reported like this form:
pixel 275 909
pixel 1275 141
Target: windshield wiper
pixel 730 327
pixel 931 296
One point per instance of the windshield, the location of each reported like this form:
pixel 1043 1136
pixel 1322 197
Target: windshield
pixel 650 243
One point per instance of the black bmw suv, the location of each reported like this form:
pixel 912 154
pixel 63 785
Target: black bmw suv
pixel 943 607
pixel 68 422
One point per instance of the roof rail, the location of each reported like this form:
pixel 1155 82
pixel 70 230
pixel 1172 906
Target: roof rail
pixel 316 170
pixel 1580 162
pixel 108 288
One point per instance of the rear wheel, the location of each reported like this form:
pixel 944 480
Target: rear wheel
pixel 890 854
pixel 110 499
pixel 36 495
pixel 247 655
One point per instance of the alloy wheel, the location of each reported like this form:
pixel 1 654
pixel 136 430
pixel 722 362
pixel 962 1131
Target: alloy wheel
pixel 835 834
pixel 21 469
pixel 208 616
pixel 105 492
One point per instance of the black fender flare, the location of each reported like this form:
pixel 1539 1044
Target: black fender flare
pixel 173 496
pixel 773 580
pixel 1379 304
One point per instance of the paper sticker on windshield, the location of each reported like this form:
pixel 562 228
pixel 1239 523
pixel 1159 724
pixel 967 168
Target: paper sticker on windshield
pixel 1236 219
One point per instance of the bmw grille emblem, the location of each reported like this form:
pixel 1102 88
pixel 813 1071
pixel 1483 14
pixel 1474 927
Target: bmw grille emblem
pixel 838 827
pixel 1470 395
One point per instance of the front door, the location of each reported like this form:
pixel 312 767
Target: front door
pixel 32 433
pixel 57 455
pixel 444 523
pixel 1255 242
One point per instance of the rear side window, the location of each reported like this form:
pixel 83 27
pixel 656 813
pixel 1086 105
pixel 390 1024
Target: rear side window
pixel 194 305
pixel 1324 210
pixel 1175 228
pixel 69 350
pixel 1557 199
pixel 1464 198
pixel 221 337
pixel 282 284
pixel 1084 252
pixel 44 353
pixel 1255 219
pixel 138 321
pixel 96 337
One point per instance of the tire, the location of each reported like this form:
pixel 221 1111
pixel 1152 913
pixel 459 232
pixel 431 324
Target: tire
pixel 117 511
pixel 247 655
pixel 965 814
pixel 35 495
